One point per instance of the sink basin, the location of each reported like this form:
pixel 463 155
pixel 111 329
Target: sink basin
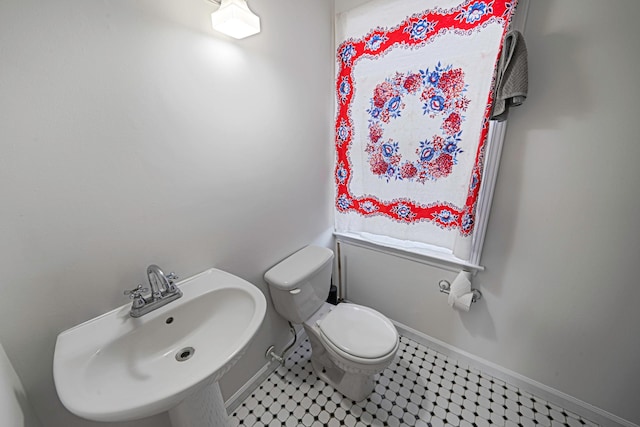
pixel 118 368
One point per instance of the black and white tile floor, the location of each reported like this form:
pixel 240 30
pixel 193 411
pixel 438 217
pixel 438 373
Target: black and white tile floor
pixel 420 388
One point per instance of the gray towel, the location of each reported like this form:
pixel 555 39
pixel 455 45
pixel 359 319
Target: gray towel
pixel 512 82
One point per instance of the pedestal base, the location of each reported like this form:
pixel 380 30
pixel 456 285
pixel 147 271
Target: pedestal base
pixel 204 408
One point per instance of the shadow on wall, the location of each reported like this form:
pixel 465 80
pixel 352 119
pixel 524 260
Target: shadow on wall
pixel 478 321
pixel 30 419
pixel 554 71
pixel 554 68
pixel 15 408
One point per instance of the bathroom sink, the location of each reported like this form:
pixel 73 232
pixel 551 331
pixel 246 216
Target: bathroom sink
pixel 118 368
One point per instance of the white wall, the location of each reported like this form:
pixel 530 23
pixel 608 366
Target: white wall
pixel 15 408
pixel 344 5
pixel 560 288
pixel 132 134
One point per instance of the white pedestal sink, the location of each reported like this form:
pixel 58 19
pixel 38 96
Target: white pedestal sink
pixel 119 368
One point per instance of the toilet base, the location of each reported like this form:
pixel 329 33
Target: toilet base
pixel 355 386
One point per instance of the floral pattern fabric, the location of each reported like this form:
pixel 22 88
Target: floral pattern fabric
pixel 442 94
pixel 436 86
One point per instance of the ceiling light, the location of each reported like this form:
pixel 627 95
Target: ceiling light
pixel 234 19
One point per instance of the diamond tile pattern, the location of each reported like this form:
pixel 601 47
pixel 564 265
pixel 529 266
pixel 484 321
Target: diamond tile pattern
pixel 420 388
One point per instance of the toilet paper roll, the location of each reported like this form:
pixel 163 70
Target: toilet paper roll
pixel 461 285
pixel 463 302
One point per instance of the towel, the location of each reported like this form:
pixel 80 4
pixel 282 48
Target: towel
pixel 512 82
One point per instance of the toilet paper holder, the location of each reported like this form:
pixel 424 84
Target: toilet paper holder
pixel 445 287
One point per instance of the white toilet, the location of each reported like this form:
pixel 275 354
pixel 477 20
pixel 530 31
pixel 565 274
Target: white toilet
pixel 350 343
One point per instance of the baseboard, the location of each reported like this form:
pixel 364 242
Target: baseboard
pixel 551 395
pixel 267 369
pixel 245 391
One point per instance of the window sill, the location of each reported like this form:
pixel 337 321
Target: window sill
pixel 425 254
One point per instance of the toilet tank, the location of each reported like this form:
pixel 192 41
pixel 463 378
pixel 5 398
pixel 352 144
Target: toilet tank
pixel 300 284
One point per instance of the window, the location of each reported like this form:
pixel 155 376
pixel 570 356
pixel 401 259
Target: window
pixel 416 153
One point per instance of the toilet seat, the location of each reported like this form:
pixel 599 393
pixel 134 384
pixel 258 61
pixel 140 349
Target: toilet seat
pixel 359 333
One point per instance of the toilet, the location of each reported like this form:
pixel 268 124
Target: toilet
pixel 350 343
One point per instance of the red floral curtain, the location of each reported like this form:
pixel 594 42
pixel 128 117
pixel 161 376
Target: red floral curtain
pixel 414 92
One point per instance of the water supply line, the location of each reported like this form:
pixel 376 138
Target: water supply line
pixel 271 353
pixel 341 291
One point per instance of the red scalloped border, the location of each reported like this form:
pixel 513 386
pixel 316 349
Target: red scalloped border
pixel 349 52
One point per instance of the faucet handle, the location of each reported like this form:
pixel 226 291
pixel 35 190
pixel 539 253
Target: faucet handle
pixel 171 286
pixel 136 295
pixel 136 292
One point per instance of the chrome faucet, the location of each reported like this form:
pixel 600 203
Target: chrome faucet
pixel 163 291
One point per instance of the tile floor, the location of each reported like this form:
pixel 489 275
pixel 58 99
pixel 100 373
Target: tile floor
pixel 420 388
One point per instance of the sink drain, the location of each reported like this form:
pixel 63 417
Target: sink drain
pixel 185 354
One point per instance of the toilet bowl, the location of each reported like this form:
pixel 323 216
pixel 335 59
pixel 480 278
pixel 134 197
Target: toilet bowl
pixel 350 343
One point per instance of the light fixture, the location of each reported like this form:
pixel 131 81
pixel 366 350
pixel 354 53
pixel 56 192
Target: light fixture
pixel 234 19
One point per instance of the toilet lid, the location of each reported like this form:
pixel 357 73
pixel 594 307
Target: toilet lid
pixel 359 331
